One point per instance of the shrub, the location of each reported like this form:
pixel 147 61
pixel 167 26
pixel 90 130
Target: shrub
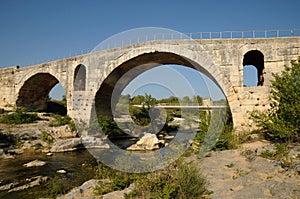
pixel 62 120
pixel 282 120
pixel 178 180
pixel 108 126
pixel 46 137
pixel 19 117
pixel 117 180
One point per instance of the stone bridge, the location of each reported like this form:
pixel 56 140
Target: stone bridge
pixel 96 73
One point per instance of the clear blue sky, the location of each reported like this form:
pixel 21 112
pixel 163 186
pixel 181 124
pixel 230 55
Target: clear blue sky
pixel 38 30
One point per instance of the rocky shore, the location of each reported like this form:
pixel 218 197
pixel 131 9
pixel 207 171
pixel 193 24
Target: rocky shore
pixel 239 173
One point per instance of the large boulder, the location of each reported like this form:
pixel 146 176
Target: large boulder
pixel 147 142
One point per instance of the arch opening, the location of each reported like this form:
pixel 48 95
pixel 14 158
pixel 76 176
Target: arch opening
pixel 254 58
pixel 250 75
pixel 104 99
pixel 35 94
pixel 79 82
pixel 103 103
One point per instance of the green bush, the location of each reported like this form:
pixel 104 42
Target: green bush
pixel 59 120
pixel 178 180
pixel 19 117
pixel 282 120
pixel 117 180
pixel 108 126
pixel 226 140
pixel 46 137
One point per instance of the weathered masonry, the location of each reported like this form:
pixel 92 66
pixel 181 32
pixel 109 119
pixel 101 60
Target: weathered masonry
pixel 222 60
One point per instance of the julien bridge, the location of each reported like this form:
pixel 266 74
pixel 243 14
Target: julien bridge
pixel 89 79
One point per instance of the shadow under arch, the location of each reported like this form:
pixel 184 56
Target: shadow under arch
pixel 79 82
pixel 34 94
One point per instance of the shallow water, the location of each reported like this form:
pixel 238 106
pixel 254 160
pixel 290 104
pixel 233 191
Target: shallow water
pixel 12 170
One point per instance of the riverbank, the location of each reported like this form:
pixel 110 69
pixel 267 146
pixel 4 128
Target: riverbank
pixel 250 171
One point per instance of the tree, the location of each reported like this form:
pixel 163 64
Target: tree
pixel 282 120
pixel 137 100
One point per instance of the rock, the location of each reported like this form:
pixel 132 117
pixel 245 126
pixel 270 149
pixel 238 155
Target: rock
pixel 295 152
pixel 253 136
pixel 62 132
pixel 84 191
pixel 231 175
pixel 36 181
pixel 35 163
pixel 1 152
pixel 119 194
pixel 66 145
pixel 91 142
pixel 147 142
pixel 8 186
pixel 169 137
pixel 15 151
pixel 61 171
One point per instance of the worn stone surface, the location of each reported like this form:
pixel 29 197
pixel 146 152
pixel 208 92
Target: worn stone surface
pixel 35 163
pixel 232 175
pixel 35 181
pixel 147 142
pixel 70 144
pixel 90 142
pixel 119 194
pixel 62 132
pixel 220 59
pixel 83 191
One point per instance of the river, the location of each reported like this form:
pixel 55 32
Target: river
pixel 13 171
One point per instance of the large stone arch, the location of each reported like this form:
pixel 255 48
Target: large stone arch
pixel 34 90
pixel 201 61
pixel 152 56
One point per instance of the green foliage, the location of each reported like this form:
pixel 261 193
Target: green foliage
pixel 281 153
pixel 282 120
pixel 19 117
pixel 112 180
pixel 60 183
pixel 226 140
pixel 170 101
pixel 46 137
pixel 57 185
pixel 109 126
pixel 140 115
pixel 59 120
pixel 178 180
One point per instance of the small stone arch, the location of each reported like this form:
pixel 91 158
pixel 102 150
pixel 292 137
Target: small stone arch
pixel 256 59
pixel 79 83
pixel 33 94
